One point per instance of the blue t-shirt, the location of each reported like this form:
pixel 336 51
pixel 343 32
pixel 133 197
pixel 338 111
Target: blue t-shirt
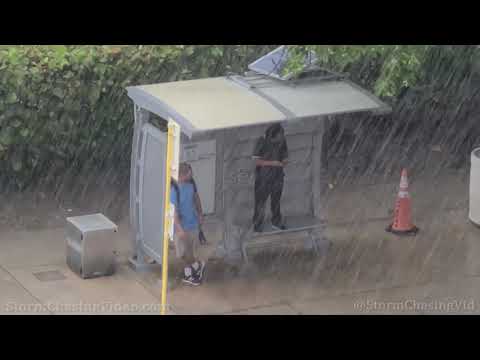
pixel 186 208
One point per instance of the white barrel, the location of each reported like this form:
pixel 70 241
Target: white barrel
pixel 475 187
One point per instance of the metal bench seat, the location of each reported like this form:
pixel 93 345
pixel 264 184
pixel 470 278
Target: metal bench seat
pixel 301 233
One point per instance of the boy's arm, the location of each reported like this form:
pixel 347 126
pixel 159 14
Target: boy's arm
pixel 198 206
pixel 198 203
pixel 177 223
pixel 176 217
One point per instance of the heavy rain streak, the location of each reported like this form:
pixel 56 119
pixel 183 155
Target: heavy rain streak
pixel 295 207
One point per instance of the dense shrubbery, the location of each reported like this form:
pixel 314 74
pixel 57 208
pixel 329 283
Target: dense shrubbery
pixel 438 107
pixel 64 110
pixel 64 113
pixel 395 67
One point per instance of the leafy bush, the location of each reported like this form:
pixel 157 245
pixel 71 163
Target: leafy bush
pixel 64 110
pixel 395 67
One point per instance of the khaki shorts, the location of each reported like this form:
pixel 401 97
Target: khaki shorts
pixel 186 248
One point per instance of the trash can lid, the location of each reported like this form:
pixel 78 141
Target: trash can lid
pixel 94 222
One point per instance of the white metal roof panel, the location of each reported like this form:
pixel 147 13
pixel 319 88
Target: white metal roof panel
pixel 206 104
pixel 322 98
pixel 220 103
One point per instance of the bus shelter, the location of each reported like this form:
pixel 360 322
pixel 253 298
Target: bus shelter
pixel 213 124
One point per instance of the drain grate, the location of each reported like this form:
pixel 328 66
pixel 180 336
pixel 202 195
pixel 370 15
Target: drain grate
pixel 49 276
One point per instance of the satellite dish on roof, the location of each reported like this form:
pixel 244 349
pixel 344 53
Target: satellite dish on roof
pixel 273 64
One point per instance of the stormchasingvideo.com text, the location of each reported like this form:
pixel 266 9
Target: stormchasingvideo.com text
pixel 104 307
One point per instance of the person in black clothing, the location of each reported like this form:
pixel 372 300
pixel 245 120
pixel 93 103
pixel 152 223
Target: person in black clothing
pixel 270 157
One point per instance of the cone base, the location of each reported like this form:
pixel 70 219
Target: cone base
pixel 412 232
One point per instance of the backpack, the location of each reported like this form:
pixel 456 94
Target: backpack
pixel 177 188
pixel 201 235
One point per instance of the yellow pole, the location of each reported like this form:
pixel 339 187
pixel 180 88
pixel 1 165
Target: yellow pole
pixel 167 218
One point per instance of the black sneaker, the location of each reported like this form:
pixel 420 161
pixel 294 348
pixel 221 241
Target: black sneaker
pixel 190 277
pixel 198 268
pixel 191 280
pixel 258 229
pixel 279 227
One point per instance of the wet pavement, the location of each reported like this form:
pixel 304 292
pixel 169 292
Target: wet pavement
pixel 365 270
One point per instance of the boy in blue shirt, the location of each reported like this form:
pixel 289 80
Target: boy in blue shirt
pixel 188 218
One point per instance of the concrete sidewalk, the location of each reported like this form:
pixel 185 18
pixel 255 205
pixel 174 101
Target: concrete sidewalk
pixel 362 274
pixel 365 270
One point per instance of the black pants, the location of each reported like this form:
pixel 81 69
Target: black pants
pixel 266 187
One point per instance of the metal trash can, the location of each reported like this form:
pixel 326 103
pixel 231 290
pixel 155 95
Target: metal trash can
pixel 90 245
pixel 475 187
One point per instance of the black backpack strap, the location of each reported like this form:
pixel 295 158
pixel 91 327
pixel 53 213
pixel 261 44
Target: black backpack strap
pixel 194 185
pixel 177 190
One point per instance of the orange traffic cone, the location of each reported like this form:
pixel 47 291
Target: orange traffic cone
pixel 402 221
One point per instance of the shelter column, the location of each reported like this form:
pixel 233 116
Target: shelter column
pixel 142 117
pixel 318 179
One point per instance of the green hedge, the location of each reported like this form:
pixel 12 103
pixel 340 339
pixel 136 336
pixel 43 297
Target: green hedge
pixel 64 110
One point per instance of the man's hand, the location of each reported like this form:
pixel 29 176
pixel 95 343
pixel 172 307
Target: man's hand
pixel 260 162
pixel 201 219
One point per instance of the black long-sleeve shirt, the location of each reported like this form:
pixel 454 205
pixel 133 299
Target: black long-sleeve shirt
pixel 270 151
